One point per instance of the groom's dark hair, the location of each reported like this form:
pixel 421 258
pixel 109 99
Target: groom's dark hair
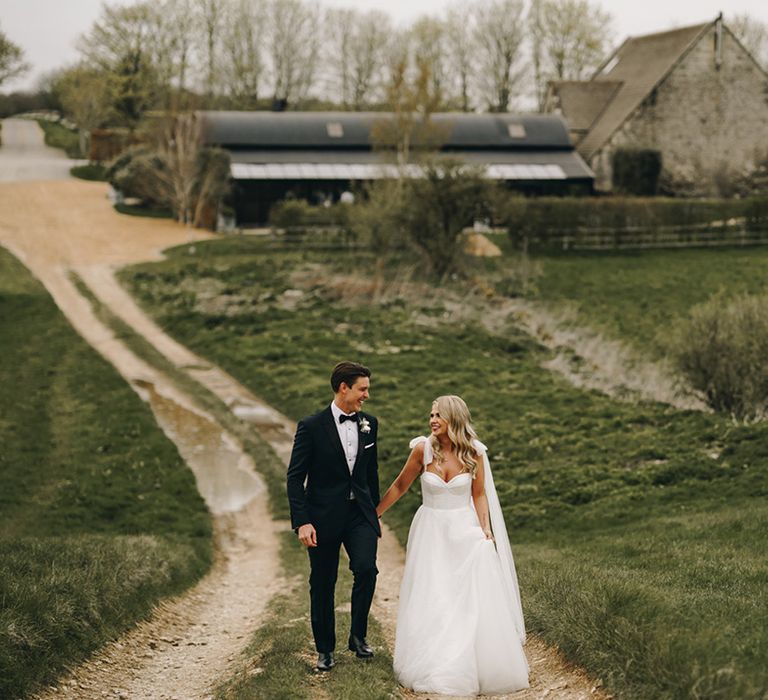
pixel 347 372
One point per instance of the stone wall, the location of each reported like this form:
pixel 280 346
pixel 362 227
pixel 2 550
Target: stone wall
pixel 710 125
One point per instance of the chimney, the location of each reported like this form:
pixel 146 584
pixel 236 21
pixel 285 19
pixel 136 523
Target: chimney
pixel 719 41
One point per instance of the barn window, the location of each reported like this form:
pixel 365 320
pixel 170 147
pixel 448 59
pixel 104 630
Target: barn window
pixel 516 130
pixel 335 130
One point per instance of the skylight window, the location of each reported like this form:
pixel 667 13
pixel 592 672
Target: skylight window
pixel 335 130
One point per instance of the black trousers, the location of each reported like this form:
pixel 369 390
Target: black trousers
pixel 360 542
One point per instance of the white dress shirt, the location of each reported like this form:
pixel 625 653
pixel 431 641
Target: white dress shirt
pixel 348 434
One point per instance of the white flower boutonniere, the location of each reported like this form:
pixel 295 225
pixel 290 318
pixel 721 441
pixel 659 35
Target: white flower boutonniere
pixel 365 426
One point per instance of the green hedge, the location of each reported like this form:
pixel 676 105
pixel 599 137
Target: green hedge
pixel 293 213
pixel 552 222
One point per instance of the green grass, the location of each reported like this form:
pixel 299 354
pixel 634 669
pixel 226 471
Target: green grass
pixel 631 523
pixel 640 296
pixel 58 136
pixel 279 662
pixel 99 516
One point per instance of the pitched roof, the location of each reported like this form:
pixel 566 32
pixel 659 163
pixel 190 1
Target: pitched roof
pixel 640 64
pixel 583 101
pixel 340 130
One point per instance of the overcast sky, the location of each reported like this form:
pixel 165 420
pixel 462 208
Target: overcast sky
pixel 47 29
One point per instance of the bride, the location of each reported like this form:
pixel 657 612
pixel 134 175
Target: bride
pixel 460 623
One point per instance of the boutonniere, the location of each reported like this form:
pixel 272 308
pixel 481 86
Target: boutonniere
pixel 365 426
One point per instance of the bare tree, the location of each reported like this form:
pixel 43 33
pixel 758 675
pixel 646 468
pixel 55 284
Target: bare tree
pixel 173 24
pixel 356 53
pixel 340 23
pixel 459 31
pixel 12 62
pixel 500 33
pixel 242 64
pixel 210 14
pixel 294 46
pixel 569 39
pixel 429 50
pixel 753 34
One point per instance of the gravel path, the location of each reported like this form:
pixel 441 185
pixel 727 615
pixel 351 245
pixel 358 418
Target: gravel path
pixel 187 645
pixel 24 155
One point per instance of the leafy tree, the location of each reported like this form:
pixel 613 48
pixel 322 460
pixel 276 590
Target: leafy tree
pixel 437 207
pixel 84 94
pixel 12 62
pixel 122 45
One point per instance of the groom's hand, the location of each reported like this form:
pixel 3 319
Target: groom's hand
pixel 307 535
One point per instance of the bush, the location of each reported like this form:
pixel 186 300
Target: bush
pixel 722 350
pixel 636 171
pixel 91 171
pixel 560 221
pixel 294 213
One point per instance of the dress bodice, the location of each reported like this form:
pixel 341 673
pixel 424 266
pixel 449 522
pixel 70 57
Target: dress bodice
pixel 442 495
pixel 438 493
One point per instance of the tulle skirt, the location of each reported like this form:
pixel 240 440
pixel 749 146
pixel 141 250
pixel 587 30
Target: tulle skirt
pixel 455 627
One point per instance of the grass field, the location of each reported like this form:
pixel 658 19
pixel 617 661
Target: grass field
pixel 639 296
pixel 99 516
pixel 636 527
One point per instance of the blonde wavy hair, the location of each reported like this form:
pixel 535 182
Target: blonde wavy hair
pixel 454 411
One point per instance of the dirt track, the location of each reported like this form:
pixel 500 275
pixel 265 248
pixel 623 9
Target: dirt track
pixel 189 643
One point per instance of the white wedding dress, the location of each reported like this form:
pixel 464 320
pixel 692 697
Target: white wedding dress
pixel 459 625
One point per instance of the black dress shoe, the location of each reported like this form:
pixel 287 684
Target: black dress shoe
pixel 325 662
pixel 360 647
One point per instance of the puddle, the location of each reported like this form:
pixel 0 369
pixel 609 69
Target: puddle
pixel 224 473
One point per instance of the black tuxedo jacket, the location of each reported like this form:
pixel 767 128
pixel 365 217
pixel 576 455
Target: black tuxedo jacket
pixel 319 458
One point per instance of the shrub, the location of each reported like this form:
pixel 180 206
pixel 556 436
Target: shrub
pixel 91 171
pixel 293 213
pixel 438 207
pixel 721 349
pixel 636 171
pixel 192 190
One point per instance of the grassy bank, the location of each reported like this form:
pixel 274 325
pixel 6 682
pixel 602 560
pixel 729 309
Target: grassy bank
pixel 639 296
pixel 100 518
pixel 633 524
pixel 58 136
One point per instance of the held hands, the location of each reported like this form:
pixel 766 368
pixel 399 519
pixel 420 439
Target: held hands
pixel 308 535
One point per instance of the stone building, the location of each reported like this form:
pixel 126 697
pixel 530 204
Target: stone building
pixel 694 94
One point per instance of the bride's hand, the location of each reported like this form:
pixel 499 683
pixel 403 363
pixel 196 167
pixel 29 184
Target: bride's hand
pixel 488 534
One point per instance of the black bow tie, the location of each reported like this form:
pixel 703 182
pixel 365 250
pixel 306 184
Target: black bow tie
pixel 344 416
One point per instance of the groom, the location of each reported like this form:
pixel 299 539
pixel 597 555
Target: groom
pixel 335 452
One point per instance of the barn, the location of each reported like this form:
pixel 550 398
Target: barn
pixel 319 155
pixel 694 94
